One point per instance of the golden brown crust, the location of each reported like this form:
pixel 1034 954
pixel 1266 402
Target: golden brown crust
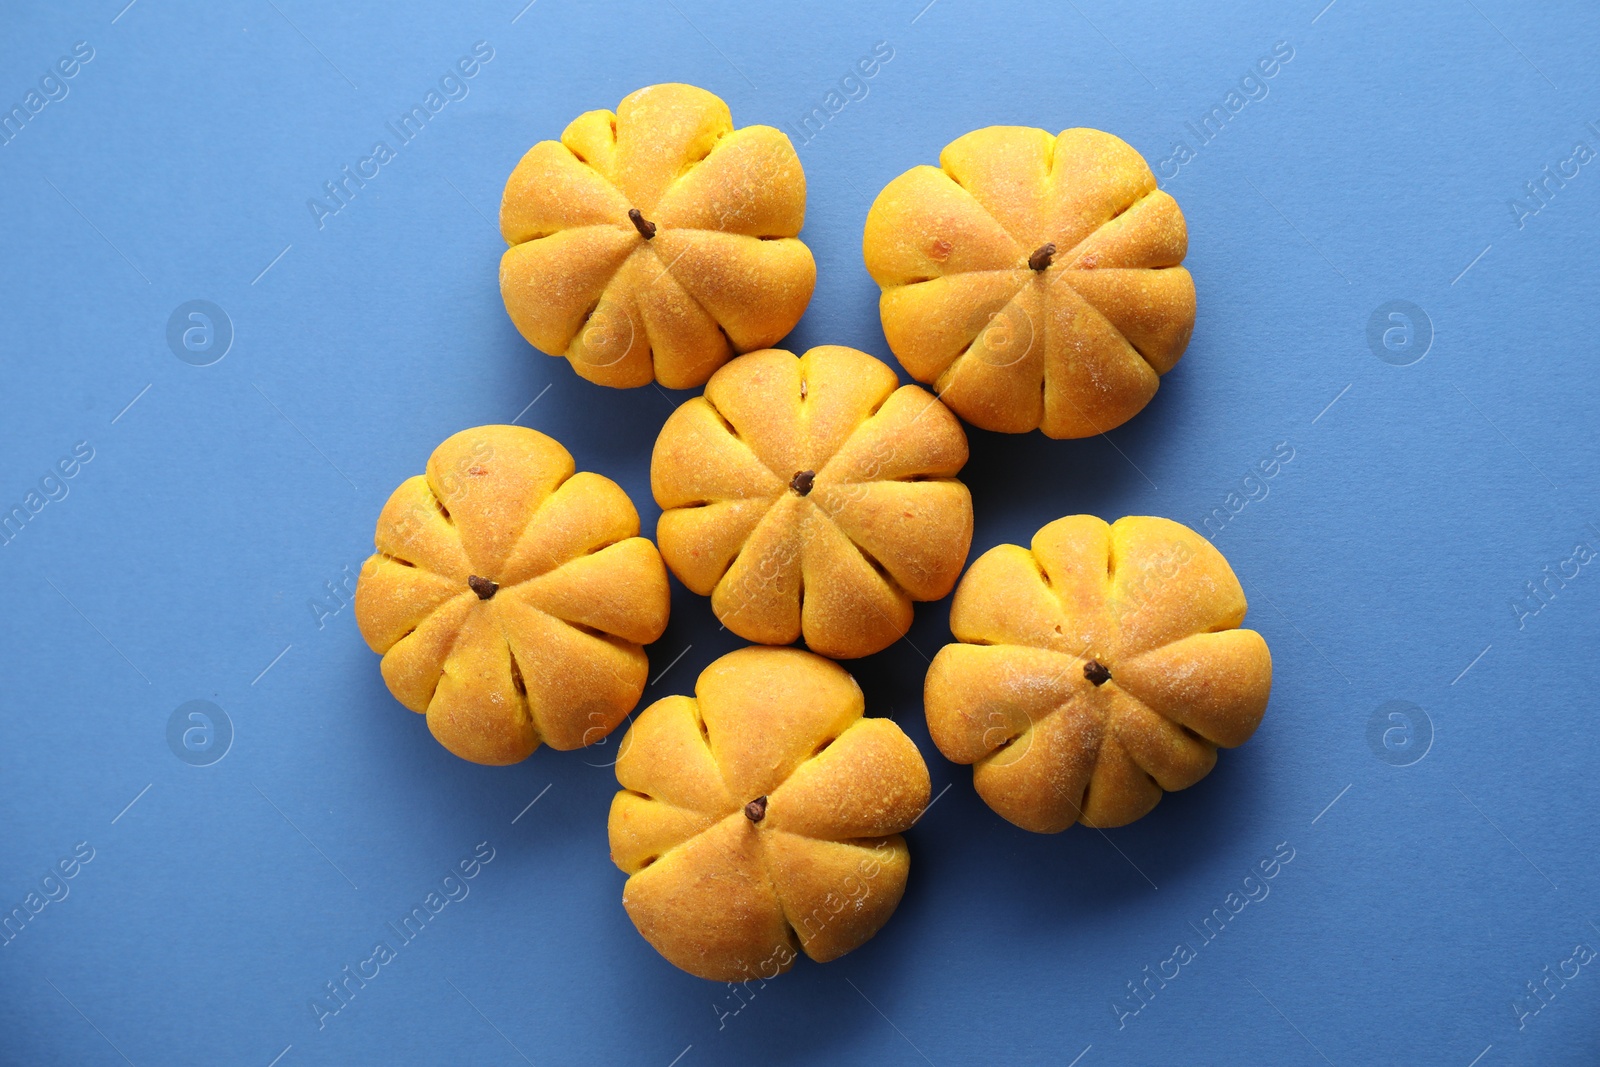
pixel 729 897
pixel 881 521
pixel 1073 348
pixel 1147 606
pixel 552 654
pixel 723 271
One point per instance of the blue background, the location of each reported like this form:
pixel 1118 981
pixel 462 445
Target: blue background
pixel 1382 565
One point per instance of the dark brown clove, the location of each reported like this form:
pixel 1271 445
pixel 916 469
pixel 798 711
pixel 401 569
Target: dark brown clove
pixel 647 229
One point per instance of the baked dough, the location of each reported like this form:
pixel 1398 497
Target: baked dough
pixel 509 597
pixel 761 817
pixel 1033 280
pixel 1096 670
pixel 656 242
pixel 813 497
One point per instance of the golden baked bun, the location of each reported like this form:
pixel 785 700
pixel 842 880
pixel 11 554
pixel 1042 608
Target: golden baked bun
pixel 509 597
pixel 1033 279
pixel 1096 670
pixel 656 242
pixel 761 817
pixel 815 497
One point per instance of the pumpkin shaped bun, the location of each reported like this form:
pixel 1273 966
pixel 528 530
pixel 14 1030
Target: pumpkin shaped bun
pixel 1096 670
pixel 1033 279
pixel 509 597
pixel 761 817
pixel 654 243
pixel 813 496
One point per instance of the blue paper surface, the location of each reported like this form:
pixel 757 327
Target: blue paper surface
pixel 1418 567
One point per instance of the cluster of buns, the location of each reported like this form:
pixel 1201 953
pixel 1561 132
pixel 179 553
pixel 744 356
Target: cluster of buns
pixel 1034 282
